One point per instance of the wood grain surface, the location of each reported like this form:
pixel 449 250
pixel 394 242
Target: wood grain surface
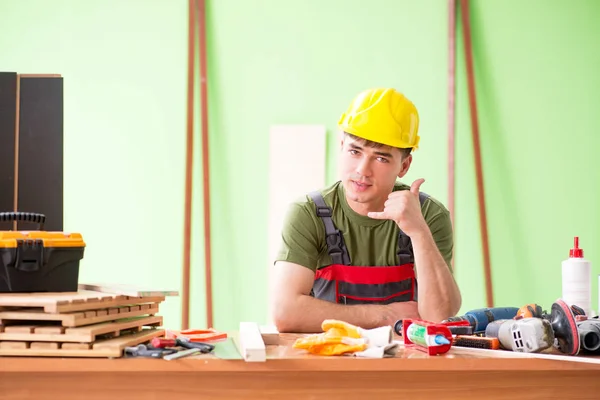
pixel 292 374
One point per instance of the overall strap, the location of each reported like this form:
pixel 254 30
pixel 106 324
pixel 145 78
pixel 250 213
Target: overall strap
pixel 335 241
pixel 405 251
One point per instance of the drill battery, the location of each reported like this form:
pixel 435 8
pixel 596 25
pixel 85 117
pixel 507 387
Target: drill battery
pixel 38 261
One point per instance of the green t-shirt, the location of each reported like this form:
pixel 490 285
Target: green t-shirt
pixel 370 242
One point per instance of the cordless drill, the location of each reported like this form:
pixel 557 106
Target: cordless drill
pixel 480 318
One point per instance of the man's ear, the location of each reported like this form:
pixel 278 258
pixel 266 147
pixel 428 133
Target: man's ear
pixel 405 165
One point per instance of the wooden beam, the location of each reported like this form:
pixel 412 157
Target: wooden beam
pixel 464 8
pixel 252 346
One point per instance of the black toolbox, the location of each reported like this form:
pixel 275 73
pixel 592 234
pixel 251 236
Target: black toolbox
pixel 37 260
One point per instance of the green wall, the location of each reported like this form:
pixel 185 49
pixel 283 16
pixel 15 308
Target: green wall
pixel 536 64
pixel 124 64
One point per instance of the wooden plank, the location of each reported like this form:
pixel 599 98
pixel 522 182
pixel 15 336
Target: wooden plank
pixel 252 347
pixel 270 335
pixel 76 346
pixel 44 345
pixel 112 348
pixel 19 329
pixel 14 345
pixel 76 318
pixel 68 302
pixel 127 290
pixel 296 167
pixel 45 299
pixel 119 301
pixel 84 334
pixel 53 330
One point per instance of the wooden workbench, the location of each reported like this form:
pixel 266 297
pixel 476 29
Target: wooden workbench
pixel 292 374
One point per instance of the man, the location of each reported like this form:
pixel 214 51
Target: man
pixel 367 250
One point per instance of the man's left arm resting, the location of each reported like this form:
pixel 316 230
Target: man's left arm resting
pixel 438 293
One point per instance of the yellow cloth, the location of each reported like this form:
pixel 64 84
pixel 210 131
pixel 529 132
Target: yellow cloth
pixel 338 338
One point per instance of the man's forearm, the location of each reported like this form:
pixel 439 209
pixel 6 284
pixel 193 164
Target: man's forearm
pixel 306 314
pixel 438 294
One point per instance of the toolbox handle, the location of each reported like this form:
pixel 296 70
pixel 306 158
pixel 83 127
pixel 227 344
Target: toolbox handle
pixel 24 217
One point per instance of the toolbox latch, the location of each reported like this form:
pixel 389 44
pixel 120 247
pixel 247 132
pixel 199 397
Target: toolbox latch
pixel 30 255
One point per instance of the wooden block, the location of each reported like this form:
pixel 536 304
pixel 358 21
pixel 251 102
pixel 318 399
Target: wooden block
pixel 90 314
pixel 145 306
pixel 113 311
pixel 134 308
pixel 44 345
pixel 77 315
pixel 49 329
pixel 270 335
pixel 14 345
pixel 20 329
pixel 76 346
pixel 251 343
pixel 101 313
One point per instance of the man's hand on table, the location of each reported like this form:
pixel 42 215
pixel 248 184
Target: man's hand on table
pixel 401 310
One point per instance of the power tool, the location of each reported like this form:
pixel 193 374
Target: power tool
pixel 565 328
pixel 530 311
pixel 524 335
pixel 480 318
pixel 589 335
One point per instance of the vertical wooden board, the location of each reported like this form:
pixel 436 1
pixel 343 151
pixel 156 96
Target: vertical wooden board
pixel 297 156
pixel 41 149
pixel 8 109
pixel 252 346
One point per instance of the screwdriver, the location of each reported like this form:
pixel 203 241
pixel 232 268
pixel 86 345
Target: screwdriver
pixel 162 343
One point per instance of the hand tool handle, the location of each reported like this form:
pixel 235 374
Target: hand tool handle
pixel 180 354
pixel 159 343
pixel 203 347
pixel 24 217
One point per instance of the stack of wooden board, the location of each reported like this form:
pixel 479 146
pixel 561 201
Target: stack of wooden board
pixel 83 324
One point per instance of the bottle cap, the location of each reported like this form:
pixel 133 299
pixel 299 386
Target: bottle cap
pixel 576 252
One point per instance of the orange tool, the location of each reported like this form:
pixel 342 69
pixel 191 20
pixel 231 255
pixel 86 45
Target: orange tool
pixel 198 335
pixel 529 311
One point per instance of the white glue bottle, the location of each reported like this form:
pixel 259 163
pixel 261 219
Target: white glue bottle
pixel 577 279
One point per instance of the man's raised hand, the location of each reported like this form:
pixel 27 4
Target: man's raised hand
pixel 404 208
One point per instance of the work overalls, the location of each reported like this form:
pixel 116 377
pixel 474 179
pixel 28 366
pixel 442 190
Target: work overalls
pixel 342 282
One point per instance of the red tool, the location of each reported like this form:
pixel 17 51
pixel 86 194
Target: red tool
pixel 160 343
pixel 198 335
pixel 426 336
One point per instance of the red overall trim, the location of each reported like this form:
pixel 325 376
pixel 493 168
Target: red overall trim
pixel 376 298
pixel 366 275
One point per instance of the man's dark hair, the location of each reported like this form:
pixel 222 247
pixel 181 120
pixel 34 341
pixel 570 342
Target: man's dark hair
pixel 365 142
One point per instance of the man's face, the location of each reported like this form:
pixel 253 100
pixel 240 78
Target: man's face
pixel 368 174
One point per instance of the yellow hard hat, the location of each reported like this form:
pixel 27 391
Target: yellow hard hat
pixel 384 116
